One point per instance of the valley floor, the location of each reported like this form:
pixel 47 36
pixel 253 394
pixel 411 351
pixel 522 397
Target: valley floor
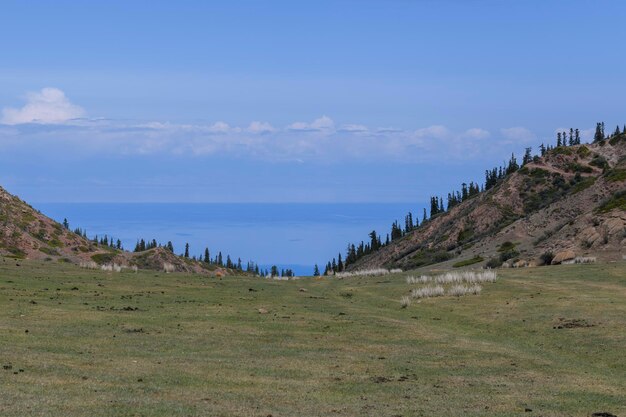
pixel 540 341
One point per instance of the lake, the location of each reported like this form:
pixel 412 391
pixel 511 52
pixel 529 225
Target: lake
pixel 293 236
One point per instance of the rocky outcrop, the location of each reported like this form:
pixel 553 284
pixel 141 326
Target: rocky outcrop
pixel 563 256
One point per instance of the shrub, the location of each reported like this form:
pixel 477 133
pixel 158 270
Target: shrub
pixel 539 173
pixel 465 235
pixel 599 161
pixel 405 301
pixel 460 290
pixel 506 246
pixel 562 150
pixel 89 265
pixel 493 263
pixel 575 167
pixel 510 254
pixel 583 151
pixel 583 184
pixel 103 258
pixel 49 251
pixel 615 139
pixel 111 267
pixel 368 272
pixel 17 253
pixel 585 260
pixel 427 292
pixel 547 257
pixel 616 175
pixel 476 259
pixel 617 201
pixel 428 257
pixel 418 280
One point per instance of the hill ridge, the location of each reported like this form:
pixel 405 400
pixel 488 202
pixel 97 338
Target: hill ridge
pixel 571 199
pixel 27 233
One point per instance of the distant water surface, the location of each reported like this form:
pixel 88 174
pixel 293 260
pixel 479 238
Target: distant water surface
pixel 293 236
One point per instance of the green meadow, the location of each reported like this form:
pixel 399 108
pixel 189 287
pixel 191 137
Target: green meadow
pixel 545 341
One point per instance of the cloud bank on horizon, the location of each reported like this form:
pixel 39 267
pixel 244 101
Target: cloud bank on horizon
pixel 49 117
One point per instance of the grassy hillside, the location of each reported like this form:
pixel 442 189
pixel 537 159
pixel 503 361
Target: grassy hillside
pixel 90 343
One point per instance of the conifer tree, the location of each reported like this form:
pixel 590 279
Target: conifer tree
pixel 374 240
pixel 207 256
pixel 598 136
pixel 186 250
pixel 527 156
pixel 316 271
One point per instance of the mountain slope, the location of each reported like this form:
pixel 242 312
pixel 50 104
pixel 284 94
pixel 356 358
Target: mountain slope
pixel 572 199
pixel 26 233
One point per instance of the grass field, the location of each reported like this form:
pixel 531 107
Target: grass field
pixel 77 342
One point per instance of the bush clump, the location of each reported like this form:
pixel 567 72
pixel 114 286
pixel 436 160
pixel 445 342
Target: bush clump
pixel 103 258
pixel 493 263
pixel 547 257
pixel 476 259
pixel 618 201
pixel 616 175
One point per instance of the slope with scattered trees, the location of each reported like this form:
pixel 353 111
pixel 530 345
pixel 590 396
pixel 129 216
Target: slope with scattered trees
pixel 568 197
pixel 27 233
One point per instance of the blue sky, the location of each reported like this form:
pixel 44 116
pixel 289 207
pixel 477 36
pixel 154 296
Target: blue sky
pixel 293 101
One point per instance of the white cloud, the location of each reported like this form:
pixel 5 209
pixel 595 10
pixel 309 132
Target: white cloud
pixel 48 106
pixel 323 124
pixel 260 128
pixel 388 130
pixel 219 127
pixel 518 134
pixel 476 133
pixel 352 128
pixel 435 131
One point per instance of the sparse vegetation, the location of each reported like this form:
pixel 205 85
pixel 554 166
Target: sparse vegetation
pixel 368 273
pixel 583 184
pixel 617 201
pixel 461 290
pixel 471 261
pixel 103 258
pixel 428 292
pixel 616 175
pixel 493 263
pixel 16 252
pixel 429 257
